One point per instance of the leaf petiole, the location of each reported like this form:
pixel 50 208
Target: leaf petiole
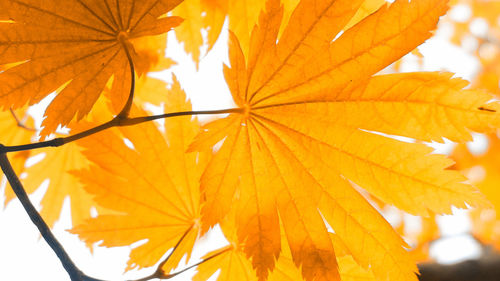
pixel 161 275
pixel 126 109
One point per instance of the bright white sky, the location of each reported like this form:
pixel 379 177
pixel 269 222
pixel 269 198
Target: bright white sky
pixel 23 256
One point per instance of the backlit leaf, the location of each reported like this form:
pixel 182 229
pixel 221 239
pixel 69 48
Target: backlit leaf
pixel 77 43
pixel 55 167
pixel 154 184
pixel 211 15
pixel 313 120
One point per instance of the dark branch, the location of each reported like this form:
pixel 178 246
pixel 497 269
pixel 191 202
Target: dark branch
pixel 73 271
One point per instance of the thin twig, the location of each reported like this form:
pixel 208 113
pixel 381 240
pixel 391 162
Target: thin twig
pixel 115 122
pixel 138 120
pixel 168 276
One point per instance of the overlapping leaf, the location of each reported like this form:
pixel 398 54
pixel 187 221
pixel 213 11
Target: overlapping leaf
pixel 241 15
pixel 211 15
pixel 310 123
pixel 154 184
pixel 55 167
pixel 147 90
pixel 232 263
pixel 78 44
pixel 12 134
pixel 368 7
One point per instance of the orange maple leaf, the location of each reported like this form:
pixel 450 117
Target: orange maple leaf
pixel 78 44
pixel 154 185
pixel 310 125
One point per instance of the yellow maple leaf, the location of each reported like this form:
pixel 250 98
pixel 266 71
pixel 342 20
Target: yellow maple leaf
pixel 310 122
pixel 231 262
pixel 154 185
pixel 55 167
pixel 76 43
pixel 190 31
